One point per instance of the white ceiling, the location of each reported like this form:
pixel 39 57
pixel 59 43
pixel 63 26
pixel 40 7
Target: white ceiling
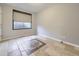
pixel 31 7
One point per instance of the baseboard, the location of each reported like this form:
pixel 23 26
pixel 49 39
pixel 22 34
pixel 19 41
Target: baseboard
pixel 59 40
pixel 7 39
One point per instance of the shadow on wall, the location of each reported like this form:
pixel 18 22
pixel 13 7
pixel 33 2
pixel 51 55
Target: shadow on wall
pixel 43 32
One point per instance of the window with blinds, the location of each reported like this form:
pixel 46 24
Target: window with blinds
pixel 22 20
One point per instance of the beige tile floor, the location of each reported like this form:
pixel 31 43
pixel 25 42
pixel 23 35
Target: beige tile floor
pixel 15 47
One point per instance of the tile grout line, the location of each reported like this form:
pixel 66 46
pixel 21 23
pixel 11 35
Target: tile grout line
pixel 19 48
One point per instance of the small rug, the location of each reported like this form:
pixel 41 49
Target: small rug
pixel 27 46
pixel 35 45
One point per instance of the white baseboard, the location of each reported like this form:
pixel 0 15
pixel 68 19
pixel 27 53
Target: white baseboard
pixel 11 38
pixel 59 40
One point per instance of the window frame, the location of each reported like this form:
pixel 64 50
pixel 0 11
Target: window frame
pixel 14 20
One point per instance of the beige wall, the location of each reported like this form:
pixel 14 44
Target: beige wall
pixel 7 31
pixel 0 21
pixel 60 21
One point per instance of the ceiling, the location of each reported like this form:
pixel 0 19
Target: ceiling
pixel 31 7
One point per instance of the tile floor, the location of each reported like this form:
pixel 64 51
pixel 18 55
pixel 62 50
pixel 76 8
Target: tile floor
pixel 20 46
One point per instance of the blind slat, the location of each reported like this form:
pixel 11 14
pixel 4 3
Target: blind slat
pixel 22 17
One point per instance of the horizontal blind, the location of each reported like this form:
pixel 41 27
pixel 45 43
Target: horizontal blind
pixel 21 17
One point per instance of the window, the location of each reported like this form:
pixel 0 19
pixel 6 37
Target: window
pixel 21 25
pixel 21 20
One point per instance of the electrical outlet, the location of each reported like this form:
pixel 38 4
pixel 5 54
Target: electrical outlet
pixel 61 41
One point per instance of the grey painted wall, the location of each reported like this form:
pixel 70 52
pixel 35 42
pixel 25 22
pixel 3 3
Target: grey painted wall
pixel 0 22
pixel 60 21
